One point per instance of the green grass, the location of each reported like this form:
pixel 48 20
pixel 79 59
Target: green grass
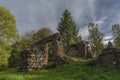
pixel 73 71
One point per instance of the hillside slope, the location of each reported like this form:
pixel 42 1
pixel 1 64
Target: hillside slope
pixel 74 71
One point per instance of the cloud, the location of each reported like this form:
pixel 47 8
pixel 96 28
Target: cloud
pixel 84 32
pixel 109 37
pixel 31 14
pixel 35 14
pixel 117 19
pixel 106 39
pixel 101 20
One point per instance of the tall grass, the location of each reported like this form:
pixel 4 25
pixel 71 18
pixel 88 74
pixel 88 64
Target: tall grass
pixel 74 71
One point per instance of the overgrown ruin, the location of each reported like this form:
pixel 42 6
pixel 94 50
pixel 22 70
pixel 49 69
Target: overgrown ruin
pixel 80 50
pixel 37 56
pixel 110 56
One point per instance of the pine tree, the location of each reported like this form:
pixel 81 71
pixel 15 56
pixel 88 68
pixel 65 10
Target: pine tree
pixel 68 29
pixel 96 38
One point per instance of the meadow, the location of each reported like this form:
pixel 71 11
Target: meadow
pixel 73 71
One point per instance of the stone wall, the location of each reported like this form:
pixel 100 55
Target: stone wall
pixel 30 61
pixel 110 56
pixel 80 50
pixel 37 55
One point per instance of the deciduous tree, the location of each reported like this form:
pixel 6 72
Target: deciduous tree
pixel 116 34
pixel 96 38
pixel 41 34
pixel 8 35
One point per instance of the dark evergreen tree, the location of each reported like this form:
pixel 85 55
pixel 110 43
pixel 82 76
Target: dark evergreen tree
pixel 68 29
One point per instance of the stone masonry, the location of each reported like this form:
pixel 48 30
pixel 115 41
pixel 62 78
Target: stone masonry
pixel 80 50
pixel 37 56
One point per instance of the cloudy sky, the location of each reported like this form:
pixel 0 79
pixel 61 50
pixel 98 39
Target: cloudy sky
pixel 36 14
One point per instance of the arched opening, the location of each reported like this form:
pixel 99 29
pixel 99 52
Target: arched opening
pixel 40 52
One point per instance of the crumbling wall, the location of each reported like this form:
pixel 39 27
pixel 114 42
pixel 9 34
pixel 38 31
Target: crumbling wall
pixel 59 51
pixel 37 55
pixel 80 50
pixel 110 56
pixel 30 61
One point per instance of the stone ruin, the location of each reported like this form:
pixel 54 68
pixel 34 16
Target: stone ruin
pixel 80 50
pixel 37 55
pixel 30 61
pixel 110 56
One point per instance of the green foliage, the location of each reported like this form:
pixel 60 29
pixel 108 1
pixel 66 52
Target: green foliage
pixel 8 35
pixel 14 58
pixel 41 34
pixel 28 39
pixel 29 34
pixel 96 38
pixel 50 52
pixel 116 34
pixel 18 47
pixel 74 71
pixel 68 29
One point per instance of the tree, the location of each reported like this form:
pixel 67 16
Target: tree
pixel 96 38
pixel 8 35
pixel 18 47
pixel 14 58
pixel 28 39
pixel 68 29
pixel 41 34
pixel 29 34
pixel 116 34
pixel 25 43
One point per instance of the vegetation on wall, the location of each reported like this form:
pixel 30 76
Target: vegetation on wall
pixel 12 44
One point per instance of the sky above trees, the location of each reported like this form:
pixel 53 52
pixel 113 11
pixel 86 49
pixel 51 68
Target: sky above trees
pixel 35 14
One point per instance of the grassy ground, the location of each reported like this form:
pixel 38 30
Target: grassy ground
pixel 74 71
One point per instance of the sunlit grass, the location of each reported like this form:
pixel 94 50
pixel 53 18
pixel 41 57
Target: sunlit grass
pixel 74 71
